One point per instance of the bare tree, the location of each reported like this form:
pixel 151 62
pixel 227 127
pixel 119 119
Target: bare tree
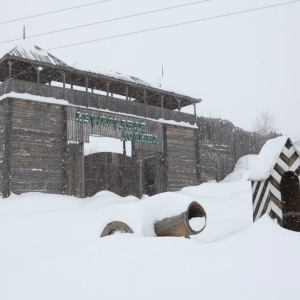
pixel 265 123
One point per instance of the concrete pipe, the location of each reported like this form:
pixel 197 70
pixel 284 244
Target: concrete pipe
pixel 185 224
pixel 116 226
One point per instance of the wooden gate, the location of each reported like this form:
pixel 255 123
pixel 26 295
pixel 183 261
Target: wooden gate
pixel 113 172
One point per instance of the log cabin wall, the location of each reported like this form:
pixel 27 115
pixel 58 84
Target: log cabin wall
pixel 36 155
pixel 179 157
pixel 2 144
pixel 38 147
pixel 220 144
pixel 5 147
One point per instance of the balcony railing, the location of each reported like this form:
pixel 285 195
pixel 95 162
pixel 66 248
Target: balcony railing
pixel 91 100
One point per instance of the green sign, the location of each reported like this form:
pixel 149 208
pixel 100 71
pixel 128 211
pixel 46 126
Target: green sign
pixel 132 131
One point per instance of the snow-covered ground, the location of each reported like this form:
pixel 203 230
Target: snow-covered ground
pixel 50 247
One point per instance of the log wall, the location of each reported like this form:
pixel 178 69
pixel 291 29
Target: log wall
pixel 221 144
pixel 179 157
pixel 38 147
pixel 42 150
pixel 5 147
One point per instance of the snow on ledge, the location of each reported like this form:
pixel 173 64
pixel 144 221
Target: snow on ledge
pixel 267 158
pixel 34 98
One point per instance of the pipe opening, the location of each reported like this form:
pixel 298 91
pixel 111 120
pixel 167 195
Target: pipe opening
pixel 196 217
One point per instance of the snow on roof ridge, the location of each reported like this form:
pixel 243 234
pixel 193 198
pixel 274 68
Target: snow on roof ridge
pixel 267 158
pixel 27 50
pixel 109 73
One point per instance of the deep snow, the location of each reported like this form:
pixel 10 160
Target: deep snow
pixel 50 247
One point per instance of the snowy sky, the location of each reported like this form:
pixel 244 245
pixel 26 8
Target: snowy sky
pixel 239 65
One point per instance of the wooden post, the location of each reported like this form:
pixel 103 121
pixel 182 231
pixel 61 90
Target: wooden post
pixel 124 148
pixel 145 102
pixel 80 179
pixel 141 177
pixel 9 69
pixel 197 154
pixel 64 83
pixel 195 112
pixel 86 84
pixel 107 89
pixel 86 91
pixel 126 93
pixel 179 104
pixel 64 80
pixel 7 151
pixel 162 106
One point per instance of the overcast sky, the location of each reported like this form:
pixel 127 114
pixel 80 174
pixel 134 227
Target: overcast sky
pixel 239 65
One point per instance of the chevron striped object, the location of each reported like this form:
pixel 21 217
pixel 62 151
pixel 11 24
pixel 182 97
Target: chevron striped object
pixel 267 192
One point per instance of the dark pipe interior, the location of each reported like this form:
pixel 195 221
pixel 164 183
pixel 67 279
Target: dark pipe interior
pixel 195 210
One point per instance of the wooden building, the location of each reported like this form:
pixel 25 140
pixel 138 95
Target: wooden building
pixel 50 111
pixel 275 183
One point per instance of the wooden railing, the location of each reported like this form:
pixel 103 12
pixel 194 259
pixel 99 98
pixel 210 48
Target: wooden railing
pixel 91 100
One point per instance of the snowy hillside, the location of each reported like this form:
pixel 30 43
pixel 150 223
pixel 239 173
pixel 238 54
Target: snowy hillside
pixel 50 247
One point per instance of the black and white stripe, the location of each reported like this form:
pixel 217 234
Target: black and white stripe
pixel 266 194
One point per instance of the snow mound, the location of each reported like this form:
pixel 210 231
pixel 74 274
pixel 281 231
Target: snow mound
pixel 267 158
pixel 242 168
pixel 50 247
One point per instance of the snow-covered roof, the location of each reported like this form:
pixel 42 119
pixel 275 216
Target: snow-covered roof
pixel 165 84
pixel 267 158
pixel 26 50
pixel 109 73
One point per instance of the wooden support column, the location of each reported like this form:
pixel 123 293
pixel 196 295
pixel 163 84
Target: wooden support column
pixel 198 159
pixel 124 148
pixel 126 93
pixel 107 89
pixel 10 63
pixel 179 104
pixel 75 170
pixel 141 174
pixel 145 102
pixel 158 173
pixel 195 111
pixel 64 83
pixel 86 91
pixel 64 80
pixel 162 106
pixel 86 84
pixel 6 185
